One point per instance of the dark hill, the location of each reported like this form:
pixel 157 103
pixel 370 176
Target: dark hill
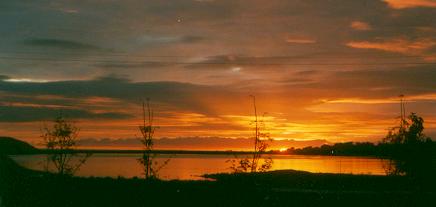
pixel 11 146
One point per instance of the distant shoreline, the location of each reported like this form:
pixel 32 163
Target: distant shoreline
pixel 192 152
pixel 108 151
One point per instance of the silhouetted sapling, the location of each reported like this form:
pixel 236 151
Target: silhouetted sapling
pixel 60 140
pixel 260 146
pixel 151 167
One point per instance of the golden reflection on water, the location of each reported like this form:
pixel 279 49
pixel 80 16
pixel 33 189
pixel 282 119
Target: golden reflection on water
pixel 192 166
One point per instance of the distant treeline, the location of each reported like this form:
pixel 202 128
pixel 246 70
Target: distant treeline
pixel 360 149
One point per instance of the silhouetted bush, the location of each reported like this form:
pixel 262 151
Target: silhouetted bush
pixel 409 149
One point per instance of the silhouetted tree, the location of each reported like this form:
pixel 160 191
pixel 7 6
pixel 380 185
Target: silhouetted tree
pixel 409 149
pixel 408 132
pixel 260 147
pixel 147 129
pixel 60 140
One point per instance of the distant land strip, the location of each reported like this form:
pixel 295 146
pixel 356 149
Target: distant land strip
pixel 104 151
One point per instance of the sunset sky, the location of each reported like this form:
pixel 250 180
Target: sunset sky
pixel 320 69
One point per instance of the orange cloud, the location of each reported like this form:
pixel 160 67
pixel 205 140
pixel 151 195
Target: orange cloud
pixel 359 25
pixel 398 45
pixel 19 104
pixel 402 4
pixel 393 100
pixel 300 40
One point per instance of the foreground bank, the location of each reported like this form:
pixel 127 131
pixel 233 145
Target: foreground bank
pixel 23 187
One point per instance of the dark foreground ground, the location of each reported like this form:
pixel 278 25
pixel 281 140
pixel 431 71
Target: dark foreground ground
pixel 22 187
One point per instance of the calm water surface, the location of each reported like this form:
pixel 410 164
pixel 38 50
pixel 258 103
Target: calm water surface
pixel 191 166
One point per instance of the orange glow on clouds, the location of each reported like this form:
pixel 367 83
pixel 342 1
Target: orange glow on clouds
pixel 399 45
pixel 359 25
pixel 402 4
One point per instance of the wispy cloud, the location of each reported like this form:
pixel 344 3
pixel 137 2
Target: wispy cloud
pixel 60 44
pixel 30 80
pixel 388 100
pixel 398 45
pixel 28 113
pixel 402 4
pixel 359 25
pixel 297 40
pixel 166 39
